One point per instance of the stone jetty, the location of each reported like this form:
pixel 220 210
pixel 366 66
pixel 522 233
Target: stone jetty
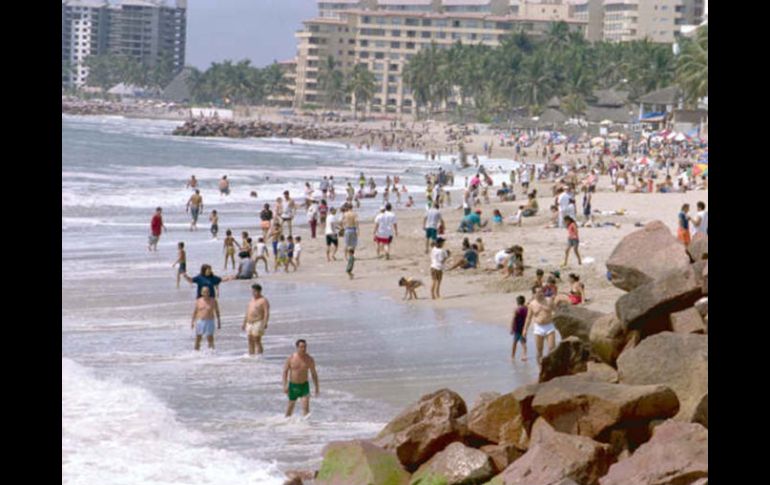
pixel 261 129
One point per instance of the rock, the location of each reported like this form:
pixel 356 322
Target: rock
pixel 705 286
pixel 608 338
pixel 677 453
pixel 601 372
pixel 647 307
pixel 457 464
pixel 554 456
pixel 701 414
pixel 697 269
pixel 293 481
pixel 424 428
pixel 702 306
pixel 484 398
pixel 687 321
pixel 516 431
pixel 502 455
pixel 645 255
pixel 569 357
pixel 486 419
pixel 699 248
pixel 575 320
pixel 360 462
pixel 676 360
pixel 594 409
pixel 297 477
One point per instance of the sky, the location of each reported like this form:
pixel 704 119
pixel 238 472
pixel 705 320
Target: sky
pixel 259 30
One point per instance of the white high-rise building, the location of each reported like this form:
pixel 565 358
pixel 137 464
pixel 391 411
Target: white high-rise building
pixel 83 34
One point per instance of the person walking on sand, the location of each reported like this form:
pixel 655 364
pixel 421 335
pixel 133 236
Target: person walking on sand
pixel 195 208
pixel 517 328
pixel 350 225
pixel 331 232
pixel 206 307
pixel 181 260
pixel 573 241
pixel 540 310
pixel 438 257
pixel 385 227
pixel 295 382
pixel 156 226
pixel 431 222
pixel 683 232
pixel 255 320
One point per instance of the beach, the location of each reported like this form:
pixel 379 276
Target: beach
pixel 125 327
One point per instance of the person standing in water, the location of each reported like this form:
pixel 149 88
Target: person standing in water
pixel 206 307
pixel 214 219
pixel 540 310
pixel 195 207
pixel 229 247
pixel 192 183
pixel 289 209
pixel 295 381
pixel 181 260
pixel 156 225
pixel 224 186
pixel 255 320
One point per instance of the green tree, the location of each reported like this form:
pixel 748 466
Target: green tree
pixel 362 85
pixel 274 81
pixel 331 81
pixel 692 69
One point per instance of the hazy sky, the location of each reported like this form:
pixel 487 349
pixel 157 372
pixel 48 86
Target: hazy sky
pixel 259 30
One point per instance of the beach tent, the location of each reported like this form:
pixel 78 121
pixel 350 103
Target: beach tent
pixel 643 161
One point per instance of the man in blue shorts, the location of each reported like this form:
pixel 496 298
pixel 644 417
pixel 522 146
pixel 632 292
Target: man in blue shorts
pixel 206 307
pixel 431 222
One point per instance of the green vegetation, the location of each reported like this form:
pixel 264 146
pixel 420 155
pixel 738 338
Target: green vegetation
pixel 524 74
pixel 240 83
pixel 105 71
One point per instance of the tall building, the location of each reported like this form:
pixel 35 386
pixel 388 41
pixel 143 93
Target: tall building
pixel 592 11
pixel 656 20
pixel 385 37
pixel 147 31
pixel 83 33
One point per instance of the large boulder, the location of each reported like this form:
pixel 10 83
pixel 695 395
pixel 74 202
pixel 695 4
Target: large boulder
pixel 676 454
pixel 687 321
pixel 595 409
pixel 705 283
pixel 502 455
pixel 701 414
pixel 424 428
pixel 599 371
pixel 359 462
pixel 457 464
pixel 554 456
pixel 489 415
pixel 676 360
pixel 645 255
pixel 575 320
pixel 571 356
pixel 516 431
pixel 647 307
pixel 608 338
pixel 699 248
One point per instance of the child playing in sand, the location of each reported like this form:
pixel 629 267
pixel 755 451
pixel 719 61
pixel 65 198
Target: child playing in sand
pixel 497 217
pixel 297 250
pixel 260 252
pixel 181 260
pixel 516 219
pixel 517 328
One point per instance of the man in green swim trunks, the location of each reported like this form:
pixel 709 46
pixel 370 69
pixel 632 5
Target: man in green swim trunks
pixel 295 383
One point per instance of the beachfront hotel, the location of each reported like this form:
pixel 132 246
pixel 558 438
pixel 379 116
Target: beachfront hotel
pixel 145 30
pixel 385 34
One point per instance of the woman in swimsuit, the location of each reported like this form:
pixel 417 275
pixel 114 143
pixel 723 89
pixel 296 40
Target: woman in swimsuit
pixel 229 247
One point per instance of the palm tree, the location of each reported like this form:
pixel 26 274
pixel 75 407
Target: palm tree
pixel 692 69
pixel 536 82
pixel 332 83
pixel 273 80
pixel 558 36
pixel 573 105
pixel 362 85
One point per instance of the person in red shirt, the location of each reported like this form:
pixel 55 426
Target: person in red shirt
pixel 572 239
pixel 156 226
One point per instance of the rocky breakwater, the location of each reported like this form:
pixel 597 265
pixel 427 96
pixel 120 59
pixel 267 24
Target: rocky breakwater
pixel 623 400
pixel 93 107
pixel 261 129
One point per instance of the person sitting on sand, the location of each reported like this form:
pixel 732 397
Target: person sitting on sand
pixel 550 289
pixel 470 259
pixel 411 286
pixel 247 269
pixel 553 222
pixel 497 217
pixel 532 206
pixel 515 263
pixel 576 294
pixel 516 218
pixel 480 245
pixel 471 221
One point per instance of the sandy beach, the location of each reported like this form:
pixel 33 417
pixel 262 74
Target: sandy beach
pixel 484 293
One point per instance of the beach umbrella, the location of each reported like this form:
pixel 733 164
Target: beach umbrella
pixel 643 161
pixel 700 169
pixel 680 137
pixel 597 141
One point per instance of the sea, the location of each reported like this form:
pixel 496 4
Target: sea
pixel 139 405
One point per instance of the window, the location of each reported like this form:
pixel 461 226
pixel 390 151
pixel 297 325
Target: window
pixel 396 21
pixel 379 55
pixel 395 45
pixel 363 55
pixel 410 45
pixel 411 34
pixel 380 44
pixel 395 33
pixel 393 67
pixel 456 36
pixel 440 23
pixel 366 20
pixel 392 79
pixel 352 41
pixel 425 35
pixel 392 90
pixel 411 21
pixel 364 43
pixel 426 22
pixel 394 56
pixel 441 35
pixel 455 23
pixel 378 66
pixel 379 20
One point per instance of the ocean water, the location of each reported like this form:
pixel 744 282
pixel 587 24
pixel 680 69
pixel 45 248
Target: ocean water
pixel 140 406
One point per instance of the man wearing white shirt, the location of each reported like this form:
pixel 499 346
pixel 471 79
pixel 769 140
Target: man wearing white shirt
pixel 312 217
pixel 438 257
pixel 431 223
pixel 700 223
pixel 563 201
pixel 385 227
pixel 331 232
